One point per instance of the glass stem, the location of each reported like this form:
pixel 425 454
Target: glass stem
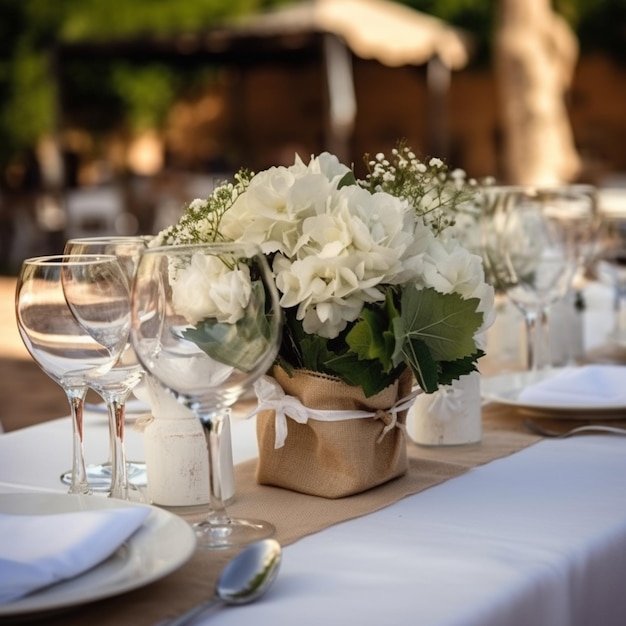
pixel 78 484
pixel 538 340
pixel 116 406
pixel 212 424
pixel 616 311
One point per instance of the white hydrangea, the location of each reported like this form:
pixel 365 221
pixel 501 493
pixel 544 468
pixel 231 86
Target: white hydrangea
pixel 279 199
pixel 341 257
pixel 333 249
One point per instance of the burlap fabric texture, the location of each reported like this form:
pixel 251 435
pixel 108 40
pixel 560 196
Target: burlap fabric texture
pixel 337 458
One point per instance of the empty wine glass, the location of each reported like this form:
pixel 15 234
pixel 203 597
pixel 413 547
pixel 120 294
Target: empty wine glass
pixel 611 268
pixel 587 225
pixel 73 314
pixel 532 245
pixel 206 324
pixel 116 386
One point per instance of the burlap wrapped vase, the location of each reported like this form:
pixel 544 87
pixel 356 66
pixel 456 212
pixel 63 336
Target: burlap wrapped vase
pixel 305 444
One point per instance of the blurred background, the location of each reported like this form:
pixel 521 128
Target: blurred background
pixel 115 113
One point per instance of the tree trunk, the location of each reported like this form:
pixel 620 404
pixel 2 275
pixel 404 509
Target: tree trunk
pixel 535 56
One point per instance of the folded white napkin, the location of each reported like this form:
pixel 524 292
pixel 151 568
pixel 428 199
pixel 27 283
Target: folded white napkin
pixel 39 550
pixel 587 386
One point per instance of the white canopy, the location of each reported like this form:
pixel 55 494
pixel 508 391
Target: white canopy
pixel 391 33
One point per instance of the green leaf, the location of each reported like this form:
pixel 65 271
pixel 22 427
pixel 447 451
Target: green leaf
pixel 372 337
pixel 367 337
pixel 315 353
pixel 453 370
pixel 446 323
pixel 434 329
pixel 348 179
pixel 425 369
pixel 223 343
pixel 366 374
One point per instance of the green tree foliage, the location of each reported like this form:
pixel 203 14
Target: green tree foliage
pixel 600 24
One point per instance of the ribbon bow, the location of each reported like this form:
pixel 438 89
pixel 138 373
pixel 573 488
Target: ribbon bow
pixel 273 397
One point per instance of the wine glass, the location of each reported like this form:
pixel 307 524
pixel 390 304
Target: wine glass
pixel 116 386
pixel 206 324
pixel 611 268
pixel 587 225
pixel 73 314
pixel 533 241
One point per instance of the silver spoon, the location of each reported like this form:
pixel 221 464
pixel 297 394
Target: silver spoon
pixel 244 579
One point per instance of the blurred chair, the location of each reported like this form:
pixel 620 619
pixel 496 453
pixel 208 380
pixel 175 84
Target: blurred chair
pixel 23 232
pixel 173 191
pixel 97 211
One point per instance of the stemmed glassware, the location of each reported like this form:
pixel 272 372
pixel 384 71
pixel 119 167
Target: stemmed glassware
pixel 73 314
pixel 587 225
pixel 611 267
pixel 532 241
pixel 206 324
pixel 116 386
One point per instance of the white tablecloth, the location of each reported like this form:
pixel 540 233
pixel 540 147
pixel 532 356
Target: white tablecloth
pixel 538 538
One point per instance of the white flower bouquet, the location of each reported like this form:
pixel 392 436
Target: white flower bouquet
pixel 375 291
pixel 370 280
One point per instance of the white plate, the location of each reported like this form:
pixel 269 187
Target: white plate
pixel 505 389
pixel 160 546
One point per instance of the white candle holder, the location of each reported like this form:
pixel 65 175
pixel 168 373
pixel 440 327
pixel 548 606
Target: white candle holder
pixel 451 416
pixel 176 455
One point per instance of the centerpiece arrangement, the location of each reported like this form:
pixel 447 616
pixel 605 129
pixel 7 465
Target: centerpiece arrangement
pixel 375 291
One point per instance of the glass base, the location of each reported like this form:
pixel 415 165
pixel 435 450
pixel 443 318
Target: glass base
pixel 232 533
pixel 99 476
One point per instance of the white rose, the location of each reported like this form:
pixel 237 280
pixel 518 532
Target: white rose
pixel 209 288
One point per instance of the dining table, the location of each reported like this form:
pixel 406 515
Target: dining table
pixel 517 529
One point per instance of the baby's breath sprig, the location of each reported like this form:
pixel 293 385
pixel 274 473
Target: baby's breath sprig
pixel 435 193
pixel 201 218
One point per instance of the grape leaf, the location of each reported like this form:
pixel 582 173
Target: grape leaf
pixel 434 329
pixel 425 368
pixel 446 323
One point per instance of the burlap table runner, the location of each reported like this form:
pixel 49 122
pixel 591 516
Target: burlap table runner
pixel 296 515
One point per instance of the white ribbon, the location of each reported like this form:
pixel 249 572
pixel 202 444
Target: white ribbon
pixel 272 397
